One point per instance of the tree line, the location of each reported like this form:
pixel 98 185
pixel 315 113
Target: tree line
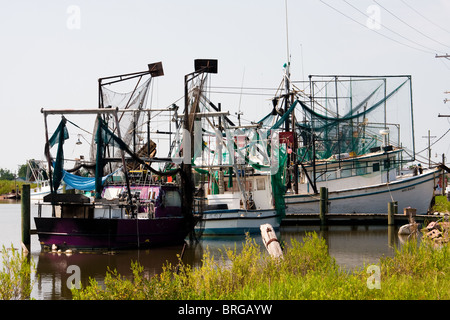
pixel 6 174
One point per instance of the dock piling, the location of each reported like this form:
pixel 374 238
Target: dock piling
pixel 392 210
pixel 323 206
pixel 270 241
pixel 25 212
pixel 410 213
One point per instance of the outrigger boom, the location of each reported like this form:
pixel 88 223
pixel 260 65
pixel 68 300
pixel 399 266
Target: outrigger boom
pixel 96 111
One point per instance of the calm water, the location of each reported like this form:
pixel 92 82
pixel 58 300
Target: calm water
pixel 351 246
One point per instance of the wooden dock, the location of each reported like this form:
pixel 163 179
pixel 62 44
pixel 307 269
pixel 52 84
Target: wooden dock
pixel 353 219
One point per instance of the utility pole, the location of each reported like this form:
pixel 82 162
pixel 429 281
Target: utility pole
pixel 446 56
pixel 429 147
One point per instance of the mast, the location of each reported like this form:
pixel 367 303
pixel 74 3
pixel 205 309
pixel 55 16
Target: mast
pixel 287 72
pixel 313 142
pixel 154 70
pixel 201 67
pixel 49 164
pixel 289 99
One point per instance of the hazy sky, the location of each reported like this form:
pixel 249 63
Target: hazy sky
pixel 53 52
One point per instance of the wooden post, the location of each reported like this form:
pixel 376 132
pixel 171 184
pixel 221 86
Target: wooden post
pixel 270 241
pixel 323 205
pixel 26 239
pixel 392 209
pixel 410 213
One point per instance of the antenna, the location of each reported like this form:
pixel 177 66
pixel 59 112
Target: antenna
pixel 239 113
pixel 287 72
pixel 287 33
pixel 303 69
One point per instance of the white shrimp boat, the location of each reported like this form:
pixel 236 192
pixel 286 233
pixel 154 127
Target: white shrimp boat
pixel 357 135
pixel 226 214
pixel 367 193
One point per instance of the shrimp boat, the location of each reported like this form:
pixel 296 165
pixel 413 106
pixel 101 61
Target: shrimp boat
pixel 230 213
pixel 353 135
pixel 237 182
pixel 37 173
pixel 135 205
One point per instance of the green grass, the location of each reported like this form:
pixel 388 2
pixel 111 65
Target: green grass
pixel 441 204
pixel 306 271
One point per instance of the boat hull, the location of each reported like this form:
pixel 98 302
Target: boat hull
pixel 37 194
pixel 110 233
pixel 235 221
pixel 415 192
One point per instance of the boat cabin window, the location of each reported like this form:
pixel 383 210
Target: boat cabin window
pixel 260 184
pixel 390 164
pixel 319 177
pixel 172 199
pixel 346 172
pixel 325 176
pixel 329 175
pixel 153 195
pixel 361 168
pixel 375 167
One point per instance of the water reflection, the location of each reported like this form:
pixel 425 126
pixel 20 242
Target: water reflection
pixel 52 267
pixel 351 246
pixel 53 275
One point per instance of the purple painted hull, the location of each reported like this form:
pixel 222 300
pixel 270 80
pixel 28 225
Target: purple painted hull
pixel 110 233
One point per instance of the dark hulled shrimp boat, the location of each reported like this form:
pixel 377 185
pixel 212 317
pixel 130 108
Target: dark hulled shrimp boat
pixel 128 210
pixel 110 224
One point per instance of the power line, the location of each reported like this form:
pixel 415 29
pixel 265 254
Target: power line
pixel 390 28
pixel 417 30
pixel 444 64
pixel 432 22
pixel 381 34
pixel 436 141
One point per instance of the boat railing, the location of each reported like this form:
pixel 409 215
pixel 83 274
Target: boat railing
pixel 96 210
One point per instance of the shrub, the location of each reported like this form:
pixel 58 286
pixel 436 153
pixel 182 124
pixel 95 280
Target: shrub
pixel 15 277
